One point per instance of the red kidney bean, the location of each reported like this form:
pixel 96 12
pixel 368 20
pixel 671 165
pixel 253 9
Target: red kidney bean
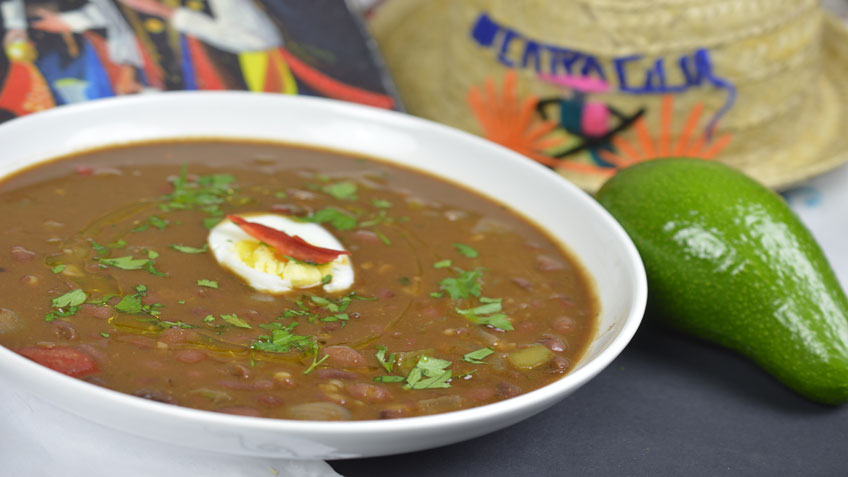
pixel 301 194
pixel 93 351
pixel 263 385
pixel 366 236
pixel 507 390
pixel 291 209
pixel 151 298
pixel 64 330
pixel 259 385
pixel 238 371
pixel 560 364
pixel 177 335
pixel 333 373
pixel 139 341
pixel 96 311
pixel 384 294
pixel 523 283
pixel 21 254
pixel 430 311
pixel 481 394
pixel 553 344
pixel 547 263
pixel 189 356
pixel 200 311
pixel 153 364
pixel 563 325
pixel 241 411
pixel 270 400
pixel 255 316
pixel 370 393
pixel 565 300
pixel 344 356
pixel 396 411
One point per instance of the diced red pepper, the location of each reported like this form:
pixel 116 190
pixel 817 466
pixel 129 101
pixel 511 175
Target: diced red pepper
pixel 84 170
pixel 65 360
pixel 287 245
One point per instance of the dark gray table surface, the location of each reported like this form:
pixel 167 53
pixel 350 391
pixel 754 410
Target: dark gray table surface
pixel 668 405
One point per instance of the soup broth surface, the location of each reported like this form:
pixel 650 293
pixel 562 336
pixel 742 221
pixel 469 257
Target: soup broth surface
pixel 106 275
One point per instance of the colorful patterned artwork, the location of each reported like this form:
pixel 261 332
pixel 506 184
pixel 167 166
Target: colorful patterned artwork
pixel 68 51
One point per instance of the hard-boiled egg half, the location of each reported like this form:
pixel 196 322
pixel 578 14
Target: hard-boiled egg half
pixel 268 270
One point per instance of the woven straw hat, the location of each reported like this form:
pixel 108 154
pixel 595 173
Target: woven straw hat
pixel 587 86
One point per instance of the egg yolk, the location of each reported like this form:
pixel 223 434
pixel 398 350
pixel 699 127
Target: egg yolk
pixel 262 258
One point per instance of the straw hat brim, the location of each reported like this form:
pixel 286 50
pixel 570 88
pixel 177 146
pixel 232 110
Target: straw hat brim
pixel 792 147
pixel 821 147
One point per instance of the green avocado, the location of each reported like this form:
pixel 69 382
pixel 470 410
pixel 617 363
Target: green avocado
pixel 729 262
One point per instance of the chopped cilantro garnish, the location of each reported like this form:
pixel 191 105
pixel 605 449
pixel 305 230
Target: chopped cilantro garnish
pixel 102 249
pixel 443 263
pixel 387 364
pixel 72 298
pixel 211 222
pixel 465 250
pixel 498 320
pixel 341 190
pixel 437 294
pixel 338 219
pixel 125 263
pixel 377 219
pixel 130 263
pixel 280 195
pixel 343 317
pixel 132 304
pixel 187 249
pixel 129 304
pixel 66 305
pixel 389 379
pixel 104 334
pixel 381 203
pixel 58 268
pixel 282 341
pixel 326 279
pixel 464 285
pixel 171 324
pixel 158 222
pixel 208 319
pixel 235 321
pixel 315 360
pixel 429 373
pixel 208 283
pixel 383 238
pixel 489 306
pixel 477 356
pixel 206 193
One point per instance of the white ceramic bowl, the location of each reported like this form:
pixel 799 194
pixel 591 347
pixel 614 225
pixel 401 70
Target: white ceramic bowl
pixel 576 220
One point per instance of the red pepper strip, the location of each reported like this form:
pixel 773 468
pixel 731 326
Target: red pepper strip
pixel 287 245
pixel 65 360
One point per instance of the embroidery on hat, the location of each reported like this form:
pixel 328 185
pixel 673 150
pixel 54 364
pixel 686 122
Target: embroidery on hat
pixel 588 127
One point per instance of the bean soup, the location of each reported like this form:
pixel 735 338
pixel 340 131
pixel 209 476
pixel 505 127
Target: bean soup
pixel 272 280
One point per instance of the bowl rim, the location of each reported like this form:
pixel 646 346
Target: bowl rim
pixel 541 397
